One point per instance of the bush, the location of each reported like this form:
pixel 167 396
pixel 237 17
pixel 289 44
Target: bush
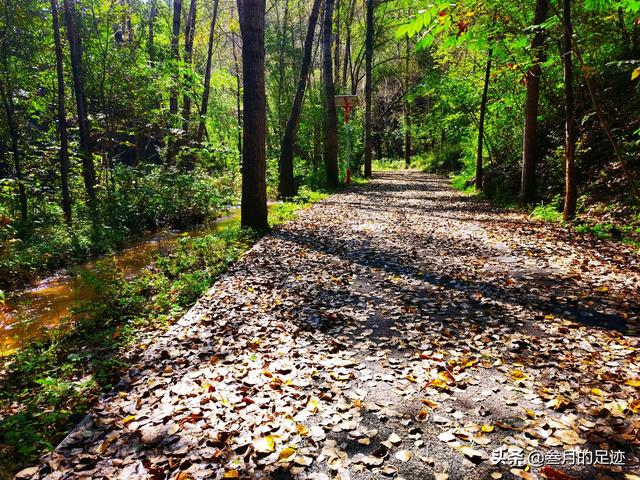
pixel 443 160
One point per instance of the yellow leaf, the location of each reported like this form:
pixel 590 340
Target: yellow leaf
pixel 429 403
pixel 530 413
pixel 487 428
pixel 128 419
pixel 302 430
pixel 313 404
pixel 635 74
pixel 231 474
pixel 634 382
pixel 286 454
pixel 439 384
pixel 558 403
pixel 518 375
pixel 446 376
pixel 265 444
pixel 597 391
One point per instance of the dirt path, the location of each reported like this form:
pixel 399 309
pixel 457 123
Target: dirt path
pixel 400 329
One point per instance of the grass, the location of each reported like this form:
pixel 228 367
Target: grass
pixel 387 164
pixel 547 213
pixel 48 386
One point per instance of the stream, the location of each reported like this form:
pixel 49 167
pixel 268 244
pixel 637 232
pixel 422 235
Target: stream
pixel 28 314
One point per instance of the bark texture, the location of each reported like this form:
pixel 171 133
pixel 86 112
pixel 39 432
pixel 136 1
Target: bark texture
pixel 533 78
pixel 331 121
pixel 254 189
pixel 286 186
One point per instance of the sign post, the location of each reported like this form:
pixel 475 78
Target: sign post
pixel 347 102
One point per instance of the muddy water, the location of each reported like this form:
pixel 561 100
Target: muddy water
pixel 47 303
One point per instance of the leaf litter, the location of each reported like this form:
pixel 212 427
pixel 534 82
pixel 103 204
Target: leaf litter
pixel 396 330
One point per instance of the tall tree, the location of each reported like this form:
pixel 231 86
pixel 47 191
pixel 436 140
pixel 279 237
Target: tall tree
pixel 532 78
pixel 281 70
pixel 151 45
pixel 207 75
pixel 286 185
pixel 407 108
pixel 483 111
pixel 336 53
pixel 368 89
pixel 173 93
pixel 62 117
pixel 189 35
pixel 77 70
pixel 347 43
pixel 7 101
pixel 571 194
pixel 238 75
pixel 254 162
pixel 330 117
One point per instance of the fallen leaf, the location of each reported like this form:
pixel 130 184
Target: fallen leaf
pixel 403 455
pixel 389 471
pixel 313 404
pixel 447 436
pixel 523 474
pixel 265 444
pixel 394 438
pixel 128 419
pixel 553 474
pixel 476 456
pixel 286 454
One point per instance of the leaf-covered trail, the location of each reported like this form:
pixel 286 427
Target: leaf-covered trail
pixel 398 329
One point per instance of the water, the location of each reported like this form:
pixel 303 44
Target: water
pixel 47 303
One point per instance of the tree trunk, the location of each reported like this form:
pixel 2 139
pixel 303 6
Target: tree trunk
pixel 254 189
pixel 347 45
pixel 533 77
pixel 7 102
pixel 286 185
pixel 407 111
pixel 207 76
pixel 151 46
pixel 281 71
pixel 189 35
pixel 173 93
pixel 336 52
pixel 238 98
pixel 368 90
pixel 75 46
pixel 331 121
pixel 571 194
pixel 62 119
pixel 483 111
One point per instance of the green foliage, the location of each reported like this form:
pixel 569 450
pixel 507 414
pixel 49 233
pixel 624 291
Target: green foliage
pixel 445 159
pixel 547 213
pixel 388 164
pixel 150 197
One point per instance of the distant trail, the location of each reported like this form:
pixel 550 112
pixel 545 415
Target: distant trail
pixel 400 328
